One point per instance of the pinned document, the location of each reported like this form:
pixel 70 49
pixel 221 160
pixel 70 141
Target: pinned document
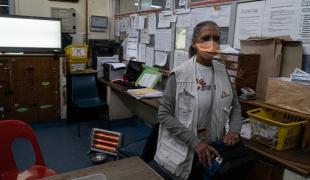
pixel 149 56
pixel 163 40
pixel 141 22
pixel 151 23
pixel 141 57
pixel 164 20
pixel 144 36
pixel 180 56
pixel 160 58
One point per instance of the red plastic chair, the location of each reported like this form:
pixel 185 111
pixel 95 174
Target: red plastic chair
pixel 9 131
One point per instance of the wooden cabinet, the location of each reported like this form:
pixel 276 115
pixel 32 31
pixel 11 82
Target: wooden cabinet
pixel 5 88
pixel 29 87
pixel 5 68
pixel 242 69
pixel 265 170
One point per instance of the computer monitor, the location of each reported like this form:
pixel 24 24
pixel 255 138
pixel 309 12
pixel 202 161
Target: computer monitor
pixel 29 34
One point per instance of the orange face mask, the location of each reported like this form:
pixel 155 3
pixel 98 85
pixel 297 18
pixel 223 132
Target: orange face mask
pixel 209 47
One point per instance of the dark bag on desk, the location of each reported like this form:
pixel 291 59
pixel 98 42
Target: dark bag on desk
pixel 235 161
pixel 133 71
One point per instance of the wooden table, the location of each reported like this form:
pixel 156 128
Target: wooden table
pixel 125 169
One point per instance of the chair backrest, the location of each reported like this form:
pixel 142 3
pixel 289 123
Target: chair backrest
pixel 84 87
pixel 9 131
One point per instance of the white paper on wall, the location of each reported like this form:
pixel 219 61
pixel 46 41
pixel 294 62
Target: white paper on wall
pixel 151 25
pixel 180 56
pixel 149 56
pixel 160 58
pixel 164 20
pixel 163 40
pixel 249 21
pixel 142 48
pixel 144 36
pixel 141 22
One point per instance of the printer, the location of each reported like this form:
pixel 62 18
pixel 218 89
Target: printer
pixel 113 71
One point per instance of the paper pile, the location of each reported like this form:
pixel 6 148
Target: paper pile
pixel 145 93
pixel 300 76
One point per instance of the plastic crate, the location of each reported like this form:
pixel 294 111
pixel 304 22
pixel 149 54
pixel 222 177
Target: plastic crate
pixel 77 65
pixel 275 129
pixel 76 52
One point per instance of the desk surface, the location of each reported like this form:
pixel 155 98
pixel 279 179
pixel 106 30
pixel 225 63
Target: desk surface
pixel 129 168
pixel 153 102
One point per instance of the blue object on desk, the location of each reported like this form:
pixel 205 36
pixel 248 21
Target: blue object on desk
pixel 85 95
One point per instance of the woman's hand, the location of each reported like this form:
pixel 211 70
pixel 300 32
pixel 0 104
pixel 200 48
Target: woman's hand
pixel 205 153
pixel 231 138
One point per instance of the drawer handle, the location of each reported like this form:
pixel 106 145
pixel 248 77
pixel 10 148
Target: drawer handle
pixel 21 110
pixel 45 83
pixel 47 106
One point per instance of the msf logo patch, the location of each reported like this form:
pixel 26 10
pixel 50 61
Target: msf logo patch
pixel 224 94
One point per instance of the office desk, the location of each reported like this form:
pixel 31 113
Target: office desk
pixel 129 168
pixel 122 105
pixel 152 102
pixel 294 159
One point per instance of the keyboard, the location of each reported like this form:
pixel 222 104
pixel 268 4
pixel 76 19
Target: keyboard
pixel 126 85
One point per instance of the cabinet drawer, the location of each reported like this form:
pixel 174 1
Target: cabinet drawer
pixel 5 115
pixel 48 112
pixel 5 69
pixel 47 67
pixel 5 95
pixel 25 113
pixel 23 92
pixel 23 68
pixel 47 91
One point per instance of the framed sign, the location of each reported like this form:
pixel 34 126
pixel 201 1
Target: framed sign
pixel 206 2
pixel 71 1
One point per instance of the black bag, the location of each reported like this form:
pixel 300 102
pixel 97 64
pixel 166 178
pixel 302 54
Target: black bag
pixel 133 71
pixel 236 159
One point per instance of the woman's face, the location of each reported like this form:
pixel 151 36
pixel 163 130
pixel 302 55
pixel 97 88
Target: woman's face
pixel 206 35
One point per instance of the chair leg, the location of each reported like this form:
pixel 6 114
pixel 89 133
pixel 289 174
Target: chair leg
pixel 78 128
pixel 107 114
pixel 78 124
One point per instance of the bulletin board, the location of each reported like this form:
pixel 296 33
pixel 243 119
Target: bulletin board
pixel 147 36
pixel 270 18
pixel 237 20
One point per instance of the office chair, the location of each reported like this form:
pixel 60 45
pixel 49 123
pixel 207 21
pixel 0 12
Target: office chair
pixel 9 131
pixel 85 95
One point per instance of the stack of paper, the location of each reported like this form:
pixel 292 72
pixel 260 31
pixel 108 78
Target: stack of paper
pixel 300 76
pixel 145 93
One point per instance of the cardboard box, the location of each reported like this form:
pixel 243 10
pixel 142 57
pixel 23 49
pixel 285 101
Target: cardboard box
pixel 270 51
pixel 279 57
pixel 281 92
pixel 291 57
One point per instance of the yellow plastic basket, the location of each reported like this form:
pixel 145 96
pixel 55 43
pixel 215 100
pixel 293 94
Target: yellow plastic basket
pixel 275 129
pixel 77 65
pixel 76 52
